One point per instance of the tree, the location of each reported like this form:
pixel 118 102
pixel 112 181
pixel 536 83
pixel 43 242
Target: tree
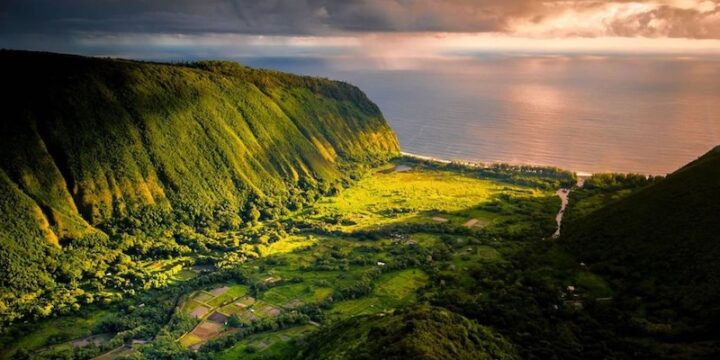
pixel 254 214
pixel 233 321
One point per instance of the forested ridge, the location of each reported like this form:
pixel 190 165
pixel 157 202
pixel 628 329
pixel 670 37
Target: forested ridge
pixel 661 244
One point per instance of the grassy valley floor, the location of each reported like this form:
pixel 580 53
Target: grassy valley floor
pixel 474 243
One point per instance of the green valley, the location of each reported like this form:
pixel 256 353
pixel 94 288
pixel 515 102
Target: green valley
pixel 209 210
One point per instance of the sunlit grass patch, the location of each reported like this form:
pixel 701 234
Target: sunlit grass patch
pixel 239 306
pixel 266 345
pixel 263 309
pixel 189 340
pixel 401 286
pixel 425 240
pixel 362 306
pixel 189 305
pixel 412 196
pixel 320 294
pixel 282 295
pixel 185 275
pixel 233 292
pixel 203 296
pixel 391 290
pixel 291 243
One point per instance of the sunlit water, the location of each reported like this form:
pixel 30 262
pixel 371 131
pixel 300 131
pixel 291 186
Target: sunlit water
pixel 643 115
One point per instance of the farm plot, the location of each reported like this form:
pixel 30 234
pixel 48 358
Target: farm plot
pixel 267 345
pixel 400 286
pixel 205 331
pixel 227 294
pixel 295 295
pixel 391 290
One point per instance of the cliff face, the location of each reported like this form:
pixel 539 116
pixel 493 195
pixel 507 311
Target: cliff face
pixel 86 140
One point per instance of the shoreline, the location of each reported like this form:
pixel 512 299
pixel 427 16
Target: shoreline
pixel 579 174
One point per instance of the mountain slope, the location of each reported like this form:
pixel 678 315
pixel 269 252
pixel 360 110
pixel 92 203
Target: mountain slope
pixel 420 332
pixel 90 139
pixel 87 142
pixel 663 242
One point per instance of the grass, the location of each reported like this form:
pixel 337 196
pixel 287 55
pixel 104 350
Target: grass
pixel 190 305
pixel 234 291
pixel 118 353
pixel 320 294
pixel 391 290
pixel 185 275
pixel 425 240
pixel 59 330
pixel 401 286
pixel 472 254
pixel 595 285
pixel 266 345
pixel 362 306
pixel 232 309
pixel 189 340
pixel 290 244
pixel 203 297
pixel 413 196
pixel 263 309
pixel 282 295
pixel 293 295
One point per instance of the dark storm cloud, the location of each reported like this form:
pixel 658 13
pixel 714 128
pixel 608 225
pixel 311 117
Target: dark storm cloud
pixel 660 18
pixel 288 17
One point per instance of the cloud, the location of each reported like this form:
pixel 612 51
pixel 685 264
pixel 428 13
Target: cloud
pixel 548 18
pixel 395 33
pixel 698 19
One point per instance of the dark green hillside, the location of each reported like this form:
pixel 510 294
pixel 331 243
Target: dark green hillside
pixel 88 142
pixel 422 332
pixel 661 243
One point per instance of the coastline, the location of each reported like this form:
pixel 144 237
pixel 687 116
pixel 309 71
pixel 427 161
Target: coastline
pixel 580 174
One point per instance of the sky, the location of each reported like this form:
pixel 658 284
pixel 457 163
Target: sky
pixel 388 31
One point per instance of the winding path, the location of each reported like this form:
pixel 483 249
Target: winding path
pixel 563 194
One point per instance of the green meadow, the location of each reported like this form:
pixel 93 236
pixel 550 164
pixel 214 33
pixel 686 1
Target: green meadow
pixel 415 196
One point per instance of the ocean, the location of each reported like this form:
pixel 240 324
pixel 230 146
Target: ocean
pixel 643 114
